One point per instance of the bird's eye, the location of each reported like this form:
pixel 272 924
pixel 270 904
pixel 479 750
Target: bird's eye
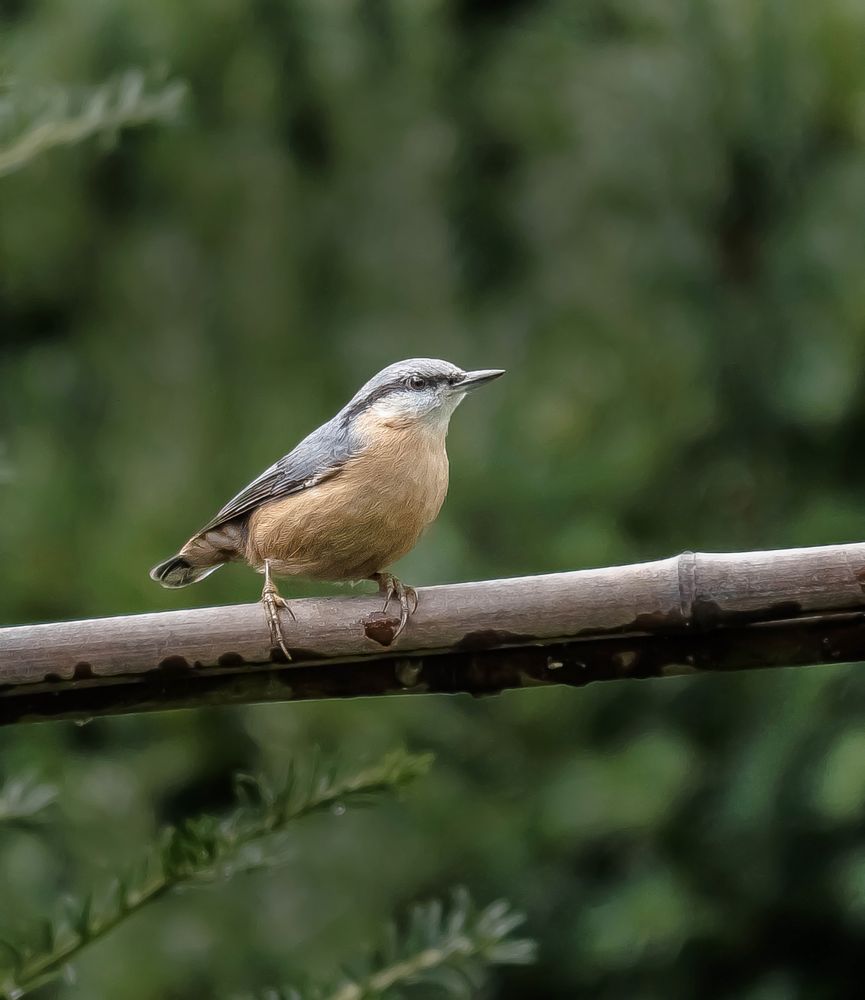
pixel 417 382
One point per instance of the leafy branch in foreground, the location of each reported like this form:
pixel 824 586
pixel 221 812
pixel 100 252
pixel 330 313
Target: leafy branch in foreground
pixel 32 122
pixel 205 849
pixel 444 950
pixel 22 799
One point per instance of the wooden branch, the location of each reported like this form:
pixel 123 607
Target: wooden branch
pixel 691 613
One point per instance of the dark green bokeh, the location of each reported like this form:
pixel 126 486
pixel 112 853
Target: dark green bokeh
pixel 651 212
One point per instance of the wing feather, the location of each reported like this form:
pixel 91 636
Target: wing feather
pixel 319 456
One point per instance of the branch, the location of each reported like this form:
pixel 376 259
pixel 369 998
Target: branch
pixel 201 850
pixel 688 614
pixel 446 950
pixel 33 123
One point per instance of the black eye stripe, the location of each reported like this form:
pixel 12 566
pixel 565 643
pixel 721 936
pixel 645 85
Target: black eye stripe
pixel 400 384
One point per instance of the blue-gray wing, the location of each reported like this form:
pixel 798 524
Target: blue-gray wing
pixel 316 458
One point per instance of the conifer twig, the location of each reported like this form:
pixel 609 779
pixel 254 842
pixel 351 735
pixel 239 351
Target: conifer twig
pixel 23 799
pixel 449 948
pixel 201 850
pixel 32 123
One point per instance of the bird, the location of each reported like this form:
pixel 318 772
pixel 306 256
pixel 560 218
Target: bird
pixel 349 500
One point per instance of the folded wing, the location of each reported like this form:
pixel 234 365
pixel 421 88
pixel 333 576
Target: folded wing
pixel 319 456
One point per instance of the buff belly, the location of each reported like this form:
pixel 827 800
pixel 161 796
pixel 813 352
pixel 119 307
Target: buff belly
pixel 357 523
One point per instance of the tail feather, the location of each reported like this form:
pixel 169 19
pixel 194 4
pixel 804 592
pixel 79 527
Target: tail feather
pixel 201 555
pixel 178 571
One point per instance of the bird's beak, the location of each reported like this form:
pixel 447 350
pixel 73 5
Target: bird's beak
pixel 471 380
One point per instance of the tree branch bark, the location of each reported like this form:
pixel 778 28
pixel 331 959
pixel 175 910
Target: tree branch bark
pixel 688 614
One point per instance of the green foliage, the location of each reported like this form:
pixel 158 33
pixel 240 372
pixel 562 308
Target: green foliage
pixel 206 849
pixel 441 951
pixel 33 121
pixel 651 212
pixel 23 800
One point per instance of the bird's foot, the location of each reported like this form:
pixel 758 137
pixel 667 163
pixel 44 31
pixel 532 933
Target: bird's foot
pixel 273 602
pixel 392 588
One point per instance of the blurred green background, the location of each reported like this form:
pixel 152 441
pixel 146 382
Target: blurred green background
pixel 652 213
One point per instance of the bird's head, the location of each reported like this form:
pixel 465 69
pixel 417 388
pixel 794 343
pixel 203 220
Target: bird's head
pixel 418 391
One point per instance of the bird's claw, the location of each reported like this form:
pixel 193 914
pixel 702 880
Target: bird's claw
pixel 273 601
pixel 392 588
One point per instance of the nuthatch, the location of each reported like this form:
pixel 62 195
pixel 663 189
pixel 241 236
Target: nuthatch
pixel 352 498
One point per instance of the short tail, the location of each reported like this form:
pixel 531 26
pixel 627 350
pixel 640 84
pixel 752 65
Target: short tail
pixel 178 571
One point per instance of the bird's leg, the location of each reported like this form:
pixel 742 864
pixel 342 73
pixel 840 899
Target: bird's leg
pixel 391 587
pixel 273 601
